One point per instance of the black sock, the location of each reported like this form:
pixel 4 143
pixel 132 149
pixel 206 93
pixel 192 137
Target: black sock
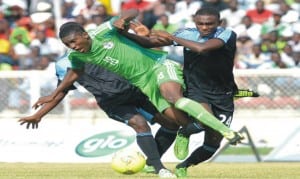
pixel 201 154
pixel 191 128
pixel 164 139
pixel 148 145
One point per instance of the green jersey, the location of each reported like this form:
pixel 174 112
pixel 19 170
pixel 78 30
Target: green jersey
pixel 117 53
pixel 143 67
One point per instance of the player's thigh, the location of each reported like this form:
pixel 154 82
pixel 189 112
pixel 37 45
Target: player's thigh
pixel 170 80
pixel 122 113
pixel 129 115
pixel 169 71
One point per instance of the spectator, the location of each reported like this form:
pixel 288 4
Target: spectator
pixel 6 51
pixel 287 56
pixel 112 6
pixel 289 15
pixel 244 46
pixel 187 8
pixel 87 9
pixel 17 31
pixel 249 28
pixel 295 41
pixel 177 18
pixel 15 11
pixel 296 57
pixel 217 4
pixel 233 14
pixel 43 63
pixel 80 19
pixel 275 24
pixel 159 7
pixel 4 29
pixel 48 45
pixel 164 24
pixel 20 41
pixel 67 9
pixel 102 11
pixel 6 59
pixel 146 10
pixel 246 4
pixel 98 19
pixel 255 59
pixel 33 58
pixel 49 27
pixel 3 10
pixel 141 5
pixel 273 42
pixel 19 35
pixel 274 62
pixel 259 14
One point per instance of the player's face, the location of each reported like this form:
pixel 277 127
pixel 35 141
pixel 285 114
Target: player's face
pixel 206 24
pixel 80 42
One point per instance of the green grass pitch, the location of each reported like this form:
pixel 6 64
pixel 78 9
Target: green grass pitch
pixel 103 170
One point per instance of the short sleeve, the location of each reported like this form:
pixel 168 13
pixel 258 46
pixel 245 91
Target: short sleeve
pixel 77 64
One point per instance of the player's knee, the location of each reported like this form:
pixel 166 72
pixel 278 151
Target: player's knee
pixel 171 92
pixel 139 124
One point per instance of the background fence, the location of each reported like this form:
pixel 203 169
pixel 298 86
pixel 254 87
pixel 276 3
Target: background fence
pixel 279 90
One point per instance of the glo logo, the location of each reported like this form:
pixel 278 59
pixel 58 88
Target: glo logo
pixel 104 143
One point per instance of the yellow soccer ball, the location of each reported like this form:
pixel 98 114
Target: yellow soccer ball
pixel 128 161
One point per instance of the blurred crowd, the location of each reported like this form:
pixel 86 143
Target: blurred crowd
pixel 268 31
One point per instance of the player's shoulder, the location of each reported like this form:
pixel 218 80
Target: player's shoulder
pixel 61 66
pixel 72 55
pixel 187 33
pixel 186 30
pixel 225 34
pixel 223 30
pixel 63 62
pixel 102 28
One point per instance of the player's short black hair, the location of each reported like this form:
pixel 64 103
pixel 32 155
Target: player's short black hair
pixel 68 28
pixel 208 10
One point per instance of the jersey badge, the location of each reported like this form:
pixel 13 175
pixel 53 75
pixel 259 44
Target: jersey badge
pixel 108 45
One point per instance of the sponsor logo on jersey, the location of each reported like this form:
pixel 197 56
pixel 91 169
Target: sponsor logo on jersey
pixel 111 60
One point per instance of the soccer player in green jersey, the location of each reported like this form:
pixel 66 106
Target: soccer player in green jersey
pixel 160 79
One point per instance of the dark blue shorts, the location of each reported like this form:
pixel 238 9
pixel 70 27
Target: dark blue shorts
pixel 221 104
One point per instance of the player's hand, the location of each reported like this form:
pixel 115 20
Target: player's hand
pixel 139 28
pixel 119 24
pixel 41 101
pixel 161 34
pixel 160 40
pixel 32 121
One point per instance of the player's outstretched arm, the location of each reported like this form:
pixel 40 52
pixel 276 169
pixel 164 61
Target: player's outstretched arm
pixel 194 46
pixel 68 80
pixel 33 120
pixel 145 40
